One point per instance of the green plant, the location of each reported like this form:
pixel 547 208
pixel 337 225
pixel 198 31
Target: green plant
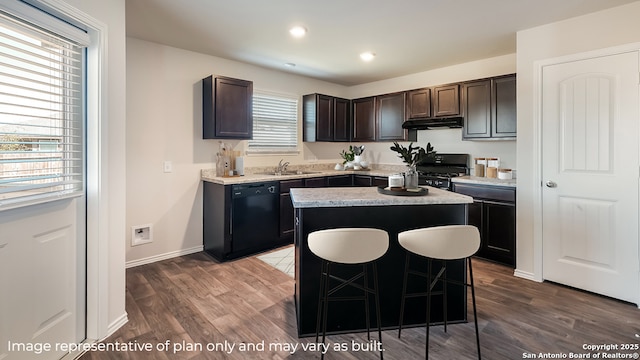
pixel 347 155
pixel 413 155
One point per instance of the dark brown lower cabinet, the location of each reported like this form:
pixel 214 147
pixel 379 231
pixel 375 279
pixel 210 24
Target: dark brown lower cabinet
pixel 379 181
pixel 494 213
pixel 366 180
pixel 315 182
pixel 340 180
pixel 286 207
pixel 362 180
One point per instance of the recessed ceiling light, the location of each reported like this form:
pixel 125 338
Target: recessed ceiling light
pixel 290 65
pixel 298 31
pixel 367 56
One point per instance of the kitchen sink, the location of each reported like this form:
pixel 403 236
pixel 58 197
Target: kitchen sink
pixel 289 172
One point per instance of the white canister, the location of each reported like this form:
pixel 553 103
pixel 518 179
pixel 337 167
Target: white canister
pixel 396 181
pixel 505 174
pixel 239 165
pixel 493 162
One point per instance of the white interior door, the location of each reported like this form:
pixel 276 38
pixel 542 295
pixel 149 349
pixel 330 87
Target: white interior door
pixel 42 277
pixel 590 174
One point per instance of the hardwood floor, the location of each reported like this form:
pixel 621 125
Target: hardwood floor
pixel 195 300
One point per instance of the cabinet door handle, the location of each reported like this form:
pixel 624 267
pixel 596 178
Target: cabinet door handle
pixel 551 184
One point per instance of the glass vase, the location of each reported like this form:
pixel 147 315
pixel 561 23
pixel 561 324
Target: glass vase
pixel 411 178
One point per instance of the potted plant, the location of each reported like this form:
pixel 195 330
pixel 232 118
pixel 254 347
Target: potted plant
pixel 412 156
pixel 347 156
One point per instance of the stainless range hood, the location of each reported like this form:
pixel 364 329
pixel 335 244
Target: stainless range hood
pixel 434 123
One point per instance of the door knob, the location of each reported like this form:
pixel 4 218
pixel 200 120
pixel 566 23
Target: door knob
pixel 551 184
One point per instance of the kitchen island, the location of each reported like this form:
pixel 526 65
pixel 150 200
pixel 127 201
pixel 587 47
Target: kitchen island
pixel 325 208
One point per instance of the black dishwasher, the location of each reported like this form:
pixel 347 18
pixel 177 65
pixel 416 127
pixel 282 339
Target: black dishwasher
pixel 255 216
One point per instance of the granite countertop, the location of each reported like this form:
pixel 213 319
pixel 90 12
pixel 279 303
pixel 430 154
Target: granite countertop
pixel 210 175
pixel 369 196
pixel 484 181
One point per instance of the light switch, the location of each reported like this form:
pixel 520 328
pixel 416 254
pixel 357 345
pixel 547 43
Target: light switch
pixel 168 167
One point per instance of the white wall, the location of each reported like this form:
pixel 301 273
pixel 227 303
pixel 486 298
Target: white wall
pixel 594 31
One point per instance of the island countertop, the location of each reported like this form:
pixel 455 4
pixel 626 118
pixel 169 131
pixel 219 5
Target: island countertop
pixel 369 196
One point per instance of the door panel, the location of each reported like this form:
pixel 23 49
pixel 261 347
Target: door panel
pixel 585 222
pixel 53 262
pixel 42 269
pixel 590 168
pixel 587 121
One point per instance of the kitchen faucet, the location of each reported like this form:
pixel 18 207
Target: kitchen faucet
pixel 281 167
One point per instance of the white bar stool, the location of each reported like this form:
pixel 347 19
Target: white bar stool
pixel 451 242
pixel 348 246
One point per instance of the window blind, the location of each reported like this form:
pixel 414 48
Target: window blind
pixel 41 114
pixel 275 120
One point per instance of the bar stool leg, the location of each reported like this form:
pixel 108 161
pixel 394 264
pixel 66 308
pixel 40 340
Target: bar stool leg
pixel 320 298
pixel 404 292
pixel 377 297
pixel 473 301
pixel 444 293
pixel 325 307
pixel 426 353
pixel 366 300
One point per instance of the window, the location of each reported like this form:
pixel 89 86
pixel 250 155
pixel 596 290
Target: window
pixel 275 123
pixel 41 114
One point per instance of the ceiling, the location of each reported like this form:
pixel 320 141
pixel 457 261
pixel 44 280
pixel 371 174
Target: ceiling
pixel 407 36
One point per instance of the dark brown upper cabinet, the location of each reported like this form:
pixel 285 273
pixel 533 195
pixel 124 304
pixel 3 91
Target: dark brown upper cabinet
pixel 364 119
pixel 489 107
pixel 504 117
pixel 317 116
pixel 326 118
pixel 419 103
pixel 342 119
pixel 390 114
pixel 435 102
pixel 227 108
pixel 476 98
pixel 446 100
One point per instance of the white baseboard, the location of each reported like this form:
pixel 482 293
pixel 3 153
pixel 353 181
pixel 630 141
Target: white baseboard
pixel 165 256
pixel 116 324
pixel 525 275
pixel 113 327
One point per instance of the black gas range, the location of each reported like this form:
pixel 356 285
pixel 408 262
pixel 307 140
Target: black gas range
pixel 438 170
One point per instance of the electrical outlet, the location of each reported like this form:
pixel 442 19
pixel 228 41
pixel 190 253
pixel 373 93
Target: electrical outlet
pixel 141 234
pixel 168 166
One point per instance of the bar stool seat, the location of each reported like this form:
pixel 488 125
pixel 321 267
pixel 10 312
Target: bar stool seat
pixel 450 242
pixel 354 246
